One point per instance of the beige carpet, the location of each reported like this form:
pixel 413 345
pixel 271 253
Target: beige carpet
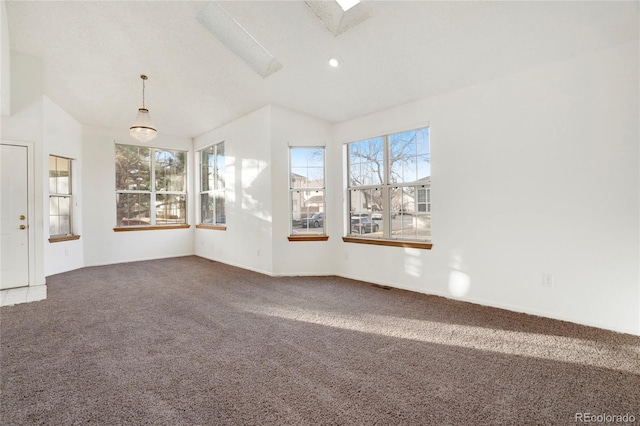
pixel 188 341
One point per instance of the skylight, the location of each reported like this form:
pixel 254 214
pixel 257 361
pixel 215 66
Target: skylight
pixel 347 4
pixel 335 16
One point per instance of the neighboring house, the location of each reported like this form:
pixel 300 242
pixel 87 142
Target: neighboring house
pixel 418 201
pixel 304 207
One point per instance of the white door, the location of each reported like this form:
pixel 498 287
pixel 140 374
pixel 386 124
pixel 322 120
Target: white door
pixel 14 224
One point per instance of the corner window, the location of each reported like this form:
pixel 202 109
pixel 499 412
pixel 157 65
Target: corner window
pixel 212 185
pixel 60 197
pixel 307 191
pixel 389 187
pixel 150 186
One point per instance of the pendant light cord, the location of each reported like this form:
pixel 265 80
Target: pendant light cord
pixel 144 78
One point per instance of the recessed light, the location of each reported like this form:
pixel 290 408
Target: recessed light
pixel 334 62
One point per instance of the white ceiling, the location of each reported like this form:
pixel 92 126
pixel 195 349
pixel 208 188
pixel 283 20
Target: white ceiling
pixel 94 51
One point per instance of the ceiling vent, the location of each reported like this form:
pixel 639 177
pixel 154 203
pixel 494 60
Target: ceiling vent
pixel 226 29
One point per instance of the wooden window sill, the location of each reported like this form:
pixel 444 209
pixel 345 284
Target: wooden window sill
pixel 150 228
pixel 308 237
pixel 392 243
pixel 64 238
pixel 212 227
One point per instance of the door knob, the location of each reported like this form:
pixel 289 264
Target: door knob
pixel 23 227
pixel 22 217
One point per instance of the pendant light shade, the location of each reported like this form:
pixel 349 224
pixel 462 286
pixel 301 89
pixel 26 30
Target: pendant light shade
pixel 143 129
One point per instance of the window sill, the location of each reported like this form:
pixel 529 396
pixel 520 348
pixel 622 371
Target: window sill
pixel 150 228
pixel 212 227
pixel 64 238
pixel 308 237
pixel 392 243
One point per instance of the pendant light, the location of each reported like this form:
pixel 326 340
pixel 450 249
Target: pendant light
pixel 143 129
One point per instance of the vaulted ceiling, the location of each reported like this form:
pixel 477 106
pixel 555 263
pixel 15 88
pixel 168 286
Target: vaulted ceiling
pixel 94 51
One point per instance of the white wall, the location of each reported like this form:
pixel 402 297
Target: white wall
pixel 62 136
pixel 247 240
pixel 290 128
pixel 102 245
pixel 25 126
pixel 257 174
pixel 534 173
pixel 47 129
pixel 5 63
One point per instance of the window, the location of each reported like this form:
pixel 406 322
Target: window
pixel 306 192
pixel 424 200
pixel 389 187
pixel 60 199
pixel 150 186
pixel 212 184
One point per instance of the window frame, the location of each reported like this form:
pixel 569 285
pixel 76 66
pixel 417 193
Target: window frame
pixel 69 195
pixel 385 188
pixel 216 190
pixel 153 192
pixel 293 235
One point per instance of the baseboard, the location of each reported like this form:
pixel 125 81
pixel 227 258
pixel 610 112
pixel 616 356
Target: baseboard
pixel 237 265
pixel 505 306
pixel 142 259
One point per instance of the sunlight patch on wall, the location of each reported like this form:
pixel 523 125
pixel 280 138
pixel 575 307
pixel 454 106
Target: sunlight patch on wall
pixel 459 283
pixel 253 195
pixel 459 280
pixel 251 169
pixel 412 262
pixel 230 179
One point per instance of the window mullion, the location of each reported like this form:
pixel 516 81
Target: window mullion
pixel 215 181
pixel 386 218
pixel 70 214
pixel 132 191
pixel 198 179
pixel 152 187
pixel 291 197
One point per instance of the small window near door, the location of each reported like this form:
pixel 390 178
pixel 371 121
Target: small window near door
pixel 60 199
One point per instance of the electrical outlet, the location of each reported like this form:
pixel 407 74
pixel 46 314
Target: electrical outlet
pixel 547 280
pixel 66 252
pixel 258 252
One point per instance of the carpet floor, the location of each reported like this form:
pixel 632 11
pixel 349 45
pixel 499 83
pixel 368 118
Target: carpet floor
pixel 188 341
